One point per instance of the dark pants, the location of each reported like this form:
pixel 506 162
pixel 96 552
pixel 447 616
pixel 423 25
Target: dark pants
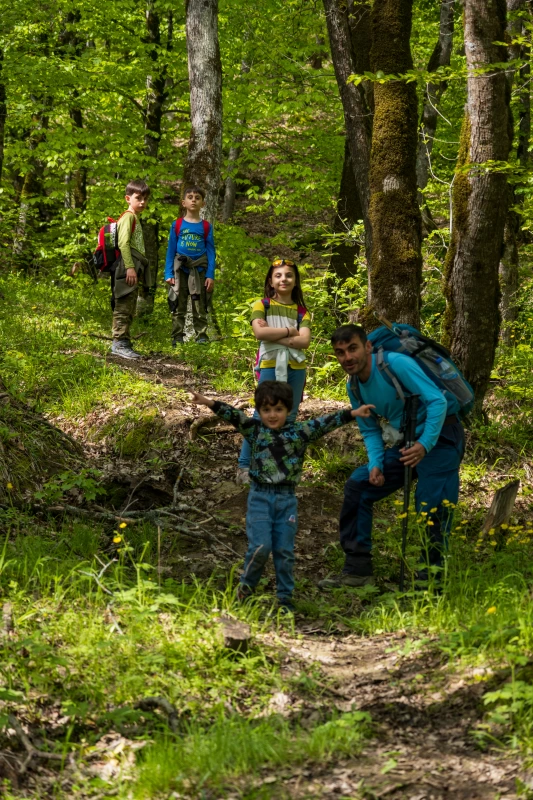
pixel 437 480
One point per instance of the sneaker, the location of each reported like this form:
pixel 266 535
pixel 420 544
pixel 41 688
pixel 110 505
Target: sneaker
pixel 244 592
pixel 178 340
pixel 345 579
pixel 123 348
pixel 242 477
pixel 202 340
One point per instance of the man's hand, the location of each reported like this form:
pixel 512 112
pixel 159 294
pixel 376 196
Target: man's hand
pixel 412 456
pixel 209 285
pixel 201 400
pixel 170 281
pixel 362 411
pixel 131 277
pixel 376 477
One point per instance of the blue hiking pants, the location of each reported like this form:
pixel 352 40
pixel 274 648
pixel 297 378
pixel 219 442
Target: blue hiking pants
pixel 271 523
pixel 437 480
pixel 296 379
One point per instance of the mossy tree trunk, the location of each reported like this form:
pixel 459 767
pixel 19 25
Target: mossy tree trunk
pixel 357 115
pixel 430 116
pixel 479 199
pixel 396 264
pixel 205 81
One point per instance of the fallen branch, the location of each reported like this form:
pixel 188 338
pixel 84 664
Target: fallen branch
pixel 149 703
pixel 32 751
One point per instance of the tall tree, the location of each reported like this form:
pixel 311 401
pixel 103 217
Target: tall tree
pixel 205 81
pixel 230 189
pixel 357 115
pixel 396 263
pixel 440 57
pixel 479 198
pixel 349 210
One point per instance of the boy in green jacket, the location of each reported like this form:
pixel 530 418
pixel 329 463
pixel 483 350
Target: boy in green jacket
pixel 132 269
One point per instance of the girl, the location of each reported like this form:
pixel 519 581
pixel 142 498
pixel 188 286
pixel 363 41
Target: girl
pixel 283 326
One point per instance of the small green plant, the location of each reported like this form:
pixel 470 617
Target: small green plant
pixel 86 483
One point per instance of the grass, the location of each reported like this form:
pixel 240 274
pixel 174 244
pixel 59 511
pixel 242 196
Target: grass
pixel 86 651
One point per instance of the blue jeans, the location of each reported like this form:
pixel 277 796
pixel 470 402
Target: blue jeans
pixel 296 379
pixel 271 523
pixel 437 480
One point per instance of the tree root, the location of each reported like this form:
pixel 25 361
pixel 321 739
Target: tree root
pixel 149 703
pixel 32 752
pixel 165 518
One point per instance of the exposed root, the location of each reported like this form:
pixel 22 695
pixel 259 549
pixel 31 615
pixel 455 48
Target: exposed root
pixel 150 703
pixel 32 752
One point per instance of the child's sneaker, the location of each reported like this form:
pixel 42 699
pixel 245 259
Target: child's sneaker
pixel 123 348
pixel 202 340
pixel 242 477
pixel 178 340
pixel 286 607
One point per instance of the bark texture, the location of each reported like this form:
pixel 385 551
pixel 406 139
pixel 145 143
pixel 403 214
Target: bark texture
pixel 396 264
pixel 479 200
pixel 434 90
pixel 205 81
pixel 357 115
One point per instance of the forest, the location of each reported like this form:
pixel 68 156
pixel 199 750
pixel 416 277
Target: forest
pixel 381 150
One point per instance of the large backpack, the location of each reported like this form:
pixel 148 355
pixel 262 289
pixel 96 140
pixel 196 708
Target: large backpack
pixel 107 252
pixel 179 223
pixel 431 357
pixel 266 303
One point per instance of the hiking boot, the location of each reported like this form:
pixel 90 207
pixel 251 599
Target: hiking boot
pixel 123 348
pixel 242 477
pixel 286 606
pixel 244 592
pixel 178 340
pixel 345 579
pixel 202 340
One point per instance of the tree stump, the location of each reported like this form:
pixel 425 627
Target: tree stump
pixel 237 634
pixel 502 506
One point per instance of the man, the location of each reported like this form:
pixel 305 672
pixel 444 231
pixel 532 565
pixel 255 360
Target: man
pixel 435 456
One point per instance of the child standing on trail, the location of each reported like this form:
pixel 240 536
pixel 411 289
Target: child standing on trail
pixel 282 324
pixel 132 269
pixel 190 267
pixel 277 452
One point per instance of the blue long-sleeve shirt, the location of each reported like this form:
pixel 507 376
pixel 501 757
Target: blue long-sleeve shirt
pixel 191 243
pixel 377 390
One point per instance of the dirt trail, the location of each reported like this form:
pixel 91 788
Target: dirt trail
pixel 423 715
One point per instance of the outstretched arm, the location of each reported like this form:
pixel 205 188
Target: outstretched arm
pixel 245 425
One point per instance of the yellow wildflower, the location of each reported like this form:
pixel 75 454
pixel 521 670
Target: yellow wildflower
pixel 491 610
pixel 123 525
pixel 117 539
pixel 9 485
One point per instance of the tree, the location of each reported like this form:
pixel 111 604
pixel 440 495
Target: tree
pixel 440 57
pixel 479 198
pixel 356 111
pixel 396 262
pixel 205 81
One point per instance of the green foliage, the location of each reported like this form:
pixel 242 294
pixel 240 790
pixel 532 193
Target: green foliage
pixel 85 484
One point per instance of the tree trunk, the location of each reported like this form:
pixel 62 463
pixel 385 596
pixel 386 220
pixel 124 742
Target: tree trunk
pixel 233 157
pixel 79 177
pixel 357 115
pixel 509 263
pixel 3 114
pixel 396 266
pixel 205 80
pixel 479 200
pixel 434 90
pixel 348 214
pixel 155 101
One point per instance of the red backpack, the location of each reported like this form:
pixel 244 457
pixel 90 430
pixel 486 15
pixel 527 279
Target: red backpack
pixel 107 252
pixel 266 304
pixel 205 223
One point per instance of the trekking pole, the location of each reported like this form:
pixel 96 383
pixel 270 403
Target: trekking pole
pixel 409 427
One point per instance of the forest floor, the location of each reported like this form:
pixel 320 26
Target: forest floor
pixel 423 737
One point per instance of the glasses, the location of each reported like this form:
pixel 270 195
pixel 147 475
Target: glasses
pixel 283 262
